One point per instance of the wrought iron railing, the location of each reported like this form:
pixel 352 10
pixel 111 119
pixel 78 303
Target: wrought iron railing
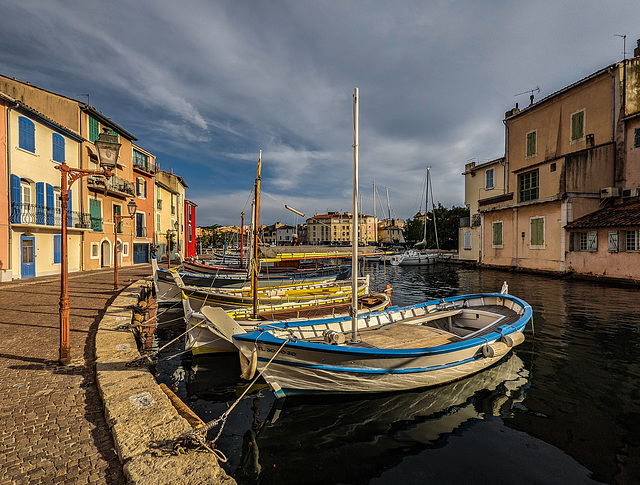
pixel 115 184
pixel 47 216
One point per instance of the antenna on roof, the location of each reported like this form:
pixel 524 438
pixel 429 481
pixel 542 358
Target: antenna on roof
pixel 534 90
pixel 624 45
pixel 86 96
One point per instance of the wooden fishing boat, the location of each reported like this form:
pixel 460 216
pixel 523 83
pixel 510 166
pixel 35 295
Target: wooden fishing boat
pixel 273 296
pixel 168 292
pixel 396 349
pixel 203 337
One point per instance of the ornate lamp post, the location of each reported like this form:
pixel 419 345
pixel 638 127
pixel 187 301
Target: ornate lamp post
pixel 131 208
pixel 108 148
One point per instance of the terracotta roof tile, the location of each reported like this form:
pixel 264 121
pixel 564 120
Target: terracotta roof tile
pixel 622 215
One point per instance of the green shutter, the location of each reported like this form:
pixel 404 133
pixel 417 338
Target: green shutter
pixel 497 233
pixel 94 129
pixel 531 143
pixel 636 143
pixel 577 125
pixel 537 232
pixel 95 212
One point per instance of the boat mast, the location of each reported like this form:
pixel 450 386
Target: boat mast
pixel 354 229
pixel 426 209
pixel 242 239
pixel 388 203
pixel 433 209
pixel 375 219
pixel 254 258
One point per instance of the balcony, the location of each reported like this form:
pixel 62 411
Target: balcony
pixel 115 184
pixel 39 215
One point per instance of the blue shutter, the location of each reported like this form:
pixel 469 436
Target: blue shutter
pixel 50 206
pixel 40 203
pixel 16 200
pixel 26 134
pixel 57 248
pixel 69 209
pixel 145 189
pixel 58 148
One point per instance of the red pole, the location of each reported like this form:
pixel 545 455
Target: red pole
pixel 65 347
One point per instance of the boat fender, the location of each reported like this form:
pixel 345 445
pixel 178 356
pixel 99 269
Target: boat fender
pixel 333 338
pixel 496 349
pixel 248 365
pixel 513 339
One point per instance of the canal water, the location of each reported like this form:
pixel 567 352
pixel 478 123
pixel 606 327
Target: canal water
pixel 563 407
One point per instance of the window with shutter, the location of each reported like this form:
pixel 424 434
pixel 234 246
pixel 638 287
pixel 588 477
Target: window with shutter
pixel 488 179
pixel 592 241
pixel 57 248
pixel 94 129
pixel 528 185
pixel 537 233
pixel 636 139
pixel 467 239
pixel 95 212
pixel 532 147
pixel 577 126
pixel 26 134
pixel 497 234
pixel 58 148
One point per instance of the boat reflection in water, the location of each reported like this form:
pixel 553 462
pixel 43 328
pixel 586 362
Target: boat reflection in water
pixel 347 440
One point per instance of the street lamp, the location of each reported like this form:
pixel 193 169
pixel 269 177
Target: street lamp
pixel 108 148
pixel 131 208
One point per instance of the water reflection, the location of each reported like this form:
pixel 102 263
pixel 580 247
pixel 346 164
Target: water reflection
pixel 573 417
pixel 376 433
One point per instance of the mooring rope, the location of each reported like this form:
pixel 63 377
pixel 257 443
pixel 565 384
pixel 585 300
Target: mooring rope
pixel 198 435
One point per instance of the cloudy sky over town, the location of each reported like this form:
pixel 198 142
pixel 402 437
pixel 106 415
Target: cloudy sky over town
pixel 205 85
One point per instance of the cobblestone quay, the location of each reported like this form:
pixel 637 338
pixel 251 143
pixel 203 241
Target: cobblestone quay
pixel 52 424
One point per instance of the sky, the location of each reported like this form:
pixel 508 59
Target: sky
pixel 205 85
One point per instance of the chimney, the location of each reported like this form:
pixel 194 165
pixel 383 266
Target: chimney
pixel 171 170
pixel 636 51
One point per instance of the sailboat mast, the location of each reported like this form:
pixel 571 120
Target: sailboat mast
pixel 433 209
pixel 375 219
pixel 242 239
pixel 354 230
pixel 254 259
pixel 388 203
pixel 426 208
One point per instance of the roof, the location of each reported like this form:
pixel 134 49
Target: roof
pixel 41 117
pixel 105 121
pixel 563 90
pixel 622 215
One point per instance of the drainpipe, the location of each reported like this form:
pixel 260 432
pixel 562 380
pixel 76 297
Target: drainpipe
pixel 506 157
pixel 82 233
pixel 8 175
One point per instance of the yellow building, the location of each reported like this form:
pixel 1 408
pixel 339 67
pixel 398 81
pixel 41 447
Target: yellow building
pixel 391 231
pixel 562 162
pixel 169 224
pixel 481 181
pixel 335 228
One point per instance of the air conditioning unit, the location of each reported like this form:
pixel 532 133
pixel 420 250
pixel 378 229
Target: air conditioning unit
pixel 630 193
pixel 607 192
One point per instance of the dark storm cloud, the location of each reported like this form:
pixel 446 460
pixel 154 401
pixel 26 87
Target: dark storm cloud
pixel 205 85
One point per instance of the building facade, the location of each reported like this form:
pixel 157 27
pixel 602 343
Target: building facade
pixel 169 225
pixel 190 229
pixel 481 181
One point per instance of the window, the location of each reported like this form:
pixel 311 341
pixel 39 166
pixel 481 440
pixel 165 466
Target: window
pixel 189 230
pixel 488 179
pixel 592 241
pixel 537 233
pixel 636 138
pixel 583 241
pixel 528 185
pixel 94 129
pixel 532 147
pixel 125 249
pixel 577 126
pixel 141 228
pixel 158 228
pixel 497 235
pixel 141 188
pixel 467 239
pixel 94 250
pixel 552 167
pixel 57 248
pixel 613 241
pixel 140 160
pixel 117 210
pixel 632 240
pixel 26 134
pixel 57 153
pixel 95 212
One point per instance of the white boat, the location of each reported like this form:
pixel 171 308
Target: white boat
pixel 413 257
pixel 418 257
pixel 397 349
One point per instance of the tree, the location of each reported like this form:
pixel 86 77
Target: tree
pixel 447 223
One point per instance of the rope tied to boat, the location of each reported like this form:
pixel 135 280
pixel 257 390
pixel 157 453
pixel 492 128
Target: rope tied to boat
pixel 198 436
